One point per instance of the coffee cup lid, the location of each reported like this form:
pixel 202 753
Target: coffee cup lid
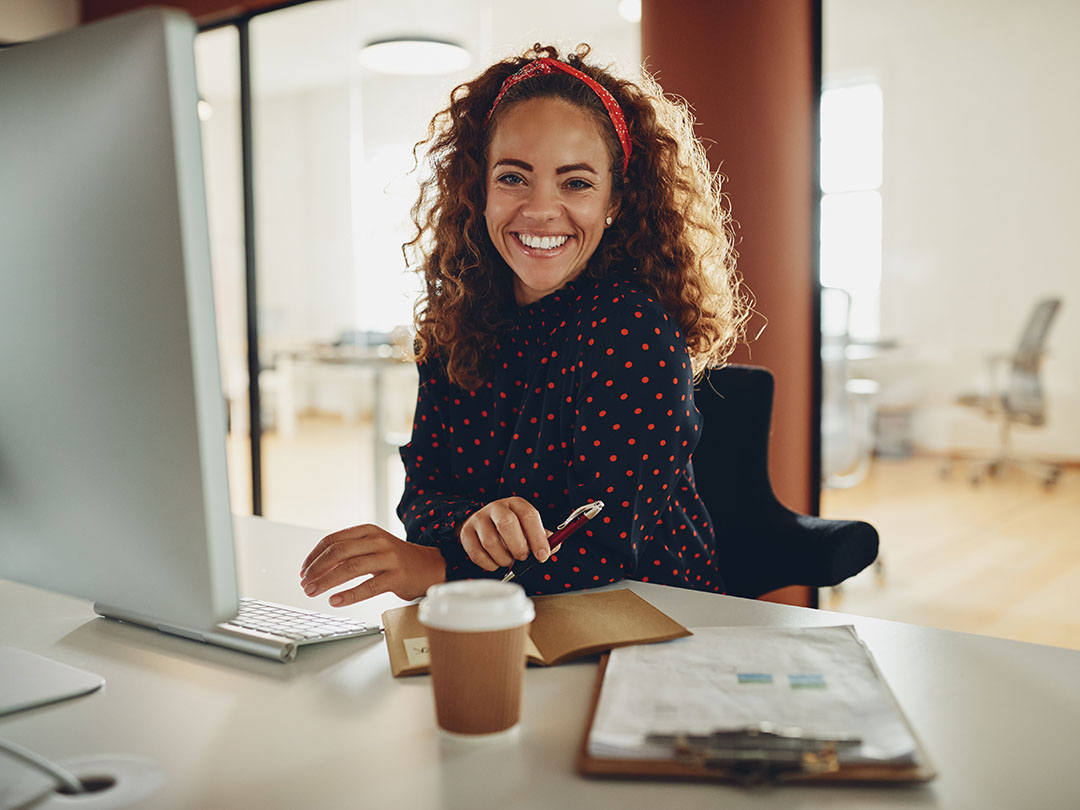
pixel 476 605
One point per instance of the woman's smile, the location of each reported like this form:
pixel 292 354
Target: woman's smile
pixel 542 245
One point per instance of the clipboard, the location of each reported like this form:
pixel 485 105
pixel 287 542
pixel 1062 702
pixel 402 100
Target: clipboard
pixel 694 768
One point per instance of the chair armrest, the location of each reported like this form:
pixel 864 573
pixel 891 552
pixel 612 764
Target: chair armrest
pixel 793 549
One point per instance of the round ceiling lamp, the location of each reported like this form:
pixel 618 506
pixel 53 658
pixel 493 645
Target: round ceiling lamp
pixel 414 56
pixel 630 10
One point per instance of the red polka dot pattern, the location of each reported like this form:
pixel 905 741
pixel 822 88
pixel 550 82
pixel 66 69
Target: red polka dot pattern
pixel 591 398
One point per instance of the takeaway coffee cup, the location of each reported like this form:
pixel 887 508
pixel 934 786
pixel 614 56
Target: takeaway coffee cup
pixel 476 637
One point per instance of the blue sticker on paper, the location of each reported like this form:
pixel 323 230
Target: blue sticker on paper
pixel 755 677
pixel 807 681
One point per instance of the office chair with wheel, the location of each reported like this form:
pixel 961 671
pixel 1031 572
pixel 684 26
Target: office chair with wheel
pixel 762 544
pixel 1016 397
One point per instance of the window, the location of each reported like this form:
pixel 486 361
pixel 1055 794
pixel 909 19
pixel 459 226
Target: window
pixel 851 174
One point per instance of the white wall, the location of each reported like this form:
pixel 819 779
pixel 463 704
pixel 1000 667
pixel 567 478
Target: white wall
pixel 303 214
pixel 980 196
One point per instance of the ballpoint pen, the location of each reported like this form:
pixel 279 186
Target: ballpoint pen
pixel 574 521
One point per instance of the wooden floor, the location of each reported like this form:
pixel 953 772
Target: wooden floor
pixel 1001 558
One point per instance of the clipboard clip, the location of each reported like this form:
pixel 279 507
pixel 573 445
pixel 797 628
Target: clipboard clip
pixel 758 754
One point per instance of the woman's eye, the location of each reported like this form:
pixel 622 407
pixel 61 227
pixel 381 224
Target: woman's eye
pixel 577 184
pixel 510 179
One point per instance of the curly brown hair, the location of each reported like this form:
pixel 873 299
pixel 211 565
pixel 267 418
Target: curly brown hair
pixel 672 233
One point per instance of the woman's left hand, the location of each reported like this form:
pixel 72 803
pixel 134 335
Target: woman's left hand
pixel 402 568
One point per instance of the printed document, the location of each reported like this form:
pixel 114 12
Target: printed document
pixel 822 680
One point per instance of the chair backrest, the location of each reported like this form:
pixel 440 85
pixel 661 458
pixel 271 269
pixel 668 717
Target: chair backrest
pixel 735 403
pixel 1033 338
pixel 761 544
pixel 1023 396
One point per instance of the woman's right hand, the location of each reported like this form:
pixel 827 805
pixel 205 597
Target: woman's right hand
pixel 503 531
pixel 405 569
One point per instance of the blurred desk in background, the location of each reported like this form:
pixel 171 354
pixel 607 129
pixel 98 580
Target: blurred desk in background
pixel 345 378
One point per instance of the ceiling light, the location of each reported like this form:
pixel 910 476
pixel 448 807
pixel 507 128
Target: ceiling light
pixel 630 10
pixel 414 56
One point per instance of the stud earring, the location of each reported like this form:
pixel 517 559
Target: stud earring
pixel 608 221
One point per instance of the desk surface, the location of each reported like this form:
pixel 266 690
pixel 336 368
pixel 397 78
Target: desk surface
pixel 1000 719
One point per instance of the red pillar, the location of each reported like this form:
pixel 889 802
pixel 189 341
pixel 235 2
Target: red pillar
pixel 750 71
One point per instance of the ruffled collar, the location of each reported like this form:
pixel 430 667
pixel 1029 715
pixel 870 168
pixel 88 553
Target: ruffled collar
pixel 540 319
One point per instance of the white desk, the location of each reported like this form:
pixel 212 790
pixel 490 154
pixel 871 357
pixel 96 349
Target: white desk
pixel 1000 719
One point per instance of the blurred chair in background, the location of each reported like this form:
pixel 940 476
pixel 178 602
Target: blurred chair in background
pixel 1016 397
pixel 847 404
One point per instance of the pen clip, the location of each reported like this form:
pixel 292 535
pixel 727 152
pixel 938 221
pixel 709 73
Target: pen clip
pixel 590 510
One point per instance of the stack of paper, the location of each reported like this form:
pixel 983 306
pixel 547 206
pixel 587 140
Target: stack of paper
pixel 822 680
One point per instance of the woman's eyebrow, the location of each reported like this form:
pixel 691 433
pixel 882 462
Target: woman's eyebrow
pixel 570 167
pixel 521 164
pixel 576 167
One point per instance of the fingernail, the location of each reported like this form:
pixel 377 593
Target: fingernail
pixel 310 588
pixel 336 600
pixel 542 555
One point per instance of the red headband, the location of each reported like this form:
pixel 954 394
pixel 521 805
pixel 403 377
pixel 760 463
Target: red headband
pixel 545 66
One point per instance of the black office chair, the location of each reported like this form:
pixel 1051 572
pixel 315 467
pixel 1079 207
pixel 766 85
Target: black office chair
pixel 1016 397
pixel 762 544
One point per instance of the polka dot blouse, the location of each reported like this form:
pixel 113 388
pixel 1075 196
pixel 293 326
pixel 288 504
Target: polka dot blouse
pixel 591 398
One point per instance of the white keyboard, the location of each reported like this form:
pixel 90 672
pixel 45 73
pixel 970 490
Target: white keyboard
pixel 275 631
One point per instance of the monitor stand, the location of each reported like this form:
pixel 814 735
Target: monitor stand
pixel 31 680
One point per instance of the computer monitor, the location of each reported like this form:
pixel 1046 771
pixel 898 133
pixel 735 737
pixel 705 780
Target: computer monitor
pixel 113 481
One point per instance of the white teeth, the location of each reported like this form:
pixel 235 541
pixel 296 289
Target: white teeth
pixel 542 242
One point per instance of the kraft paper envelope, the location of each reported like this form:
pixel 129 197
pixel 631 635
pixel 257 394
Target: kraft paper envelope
pixel 566 626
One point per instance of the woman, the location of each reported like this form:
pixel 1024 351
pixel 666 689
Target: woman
pixel 579 276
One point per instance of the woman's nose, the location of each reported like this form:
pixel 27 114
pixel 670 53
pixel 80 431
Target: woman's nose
pixel 542 204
